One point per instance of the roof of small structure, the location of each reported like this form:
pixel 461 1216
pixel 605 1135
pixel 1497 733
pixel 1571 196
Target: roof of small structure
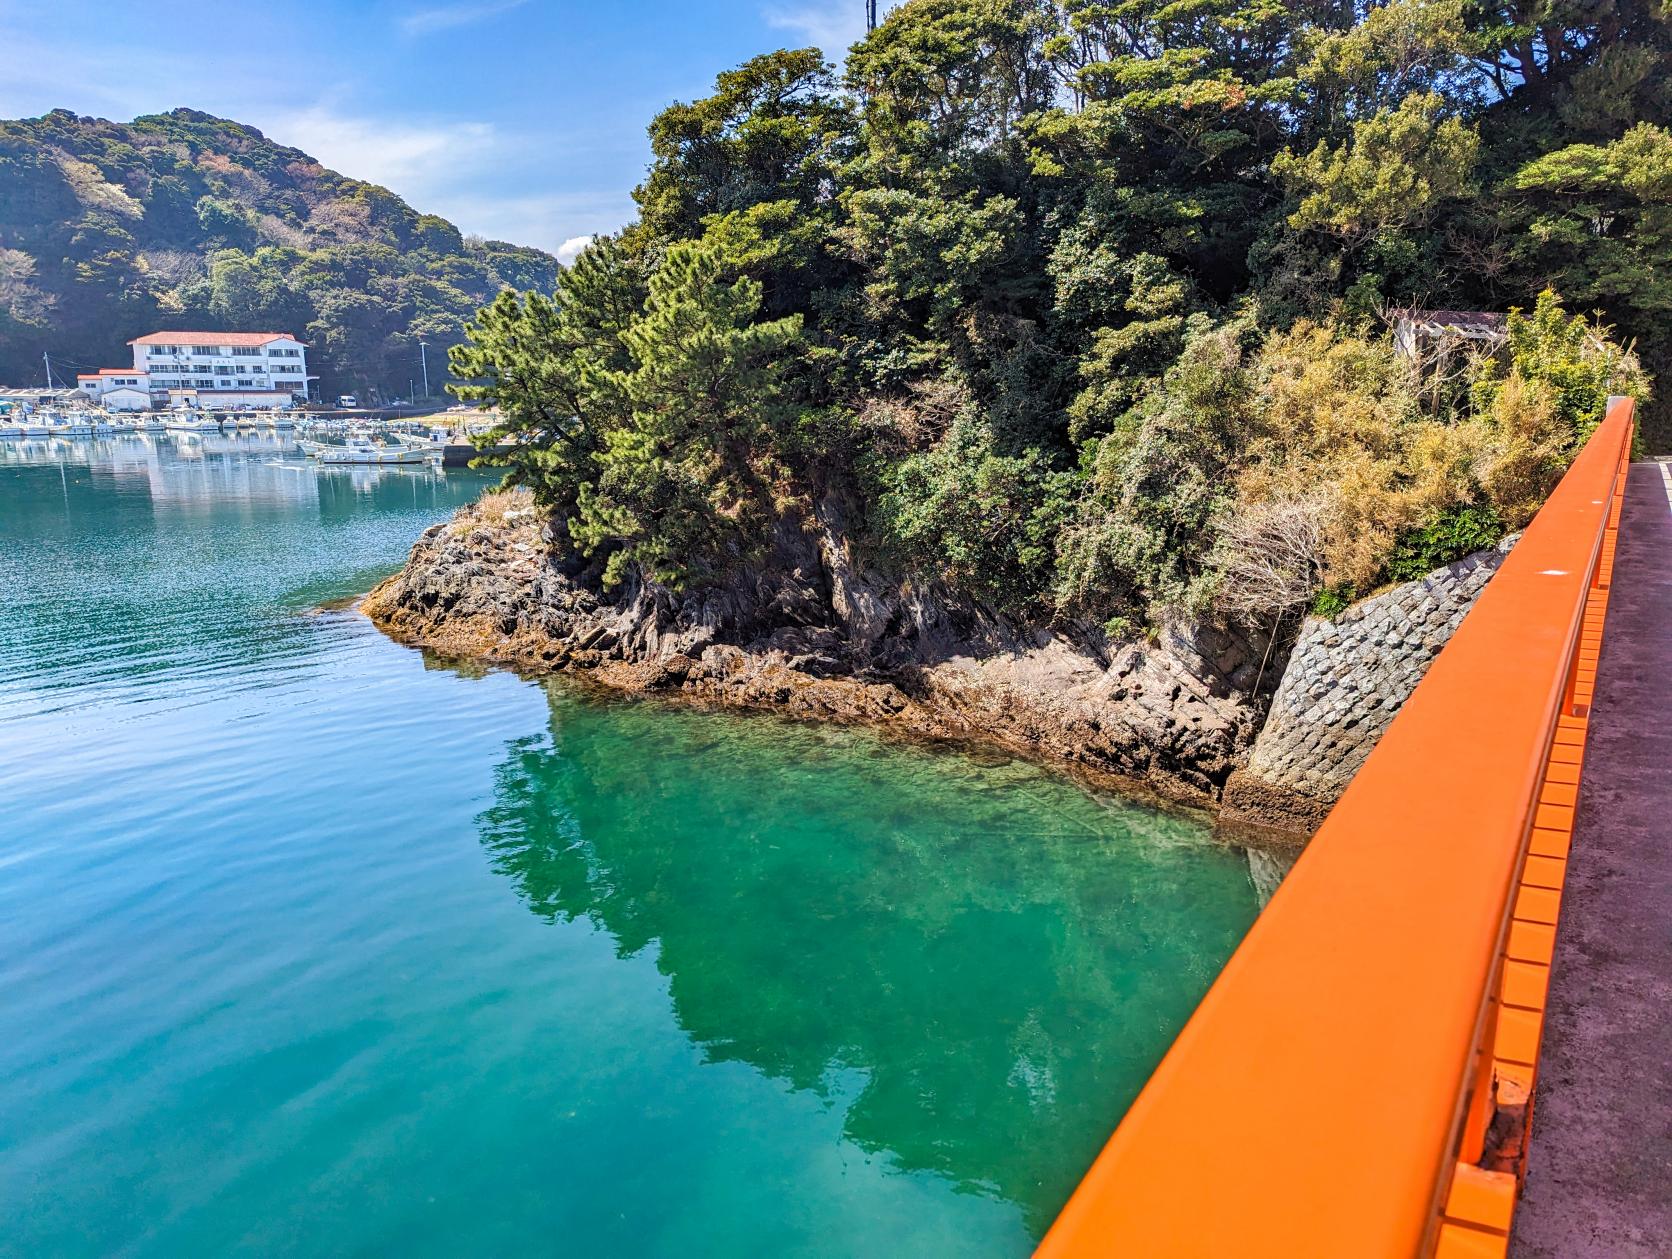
pixel 1491 321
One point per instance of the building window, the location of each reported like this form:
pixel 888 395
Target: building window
pixel 245 351
pixel 206 384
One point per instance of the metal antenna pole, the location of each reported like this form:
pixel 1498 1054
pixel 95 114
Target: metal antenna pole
pixel 424 359
pixel 870 16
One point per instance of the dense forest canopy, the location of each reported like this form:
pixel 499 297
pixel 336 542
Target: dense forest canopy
pixel 1086 305
pixel 182 220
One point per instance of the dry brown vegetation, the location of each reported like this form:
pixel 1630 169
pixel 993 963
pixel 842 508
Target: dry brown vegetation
pixel 1342 431
pixel 498 508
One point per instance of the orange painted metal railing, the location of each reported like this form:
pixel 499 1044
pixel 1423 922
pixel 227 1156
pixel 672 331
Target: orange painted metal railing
pixel 1351 1086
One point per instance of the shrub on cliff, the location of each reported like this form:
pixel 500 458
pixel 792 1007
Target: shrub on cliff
pixel 1572 361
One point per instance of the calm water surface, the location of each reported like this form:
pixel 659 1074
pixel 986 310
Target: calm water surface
pixel 309 946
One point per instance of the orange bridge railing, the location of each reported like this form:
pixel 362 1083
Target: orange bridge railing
pixel 1357 1084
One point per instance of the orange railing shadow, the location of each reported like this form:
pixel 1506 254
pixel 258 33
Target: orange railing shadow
pixel 1356 1083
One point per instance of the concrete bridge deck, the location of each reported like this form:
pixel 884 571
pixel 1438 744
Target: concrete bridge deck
pixel 1599 1168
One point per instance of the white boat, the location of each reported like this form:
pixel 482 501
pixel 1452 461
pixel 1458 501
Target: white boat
pixel 192 424
pixel 153 424
pixel 412 442
pixel 358 450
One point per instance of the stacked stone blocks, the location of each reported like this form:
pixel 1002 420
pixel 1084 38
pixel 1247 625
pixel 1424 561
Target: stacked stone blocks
pixel 1345 681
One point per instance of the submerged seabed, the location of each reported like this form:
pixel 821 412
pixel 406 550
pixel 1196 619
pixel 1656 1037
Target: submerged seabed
pixel 310 947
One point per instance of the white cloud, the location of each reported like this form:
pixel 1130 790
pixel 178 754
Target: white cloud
pixel 455 169
pixel 554 222
pixel 39 77
pixel 570 249
pixel 417 160
pixel 833 25
pixel 446 17
pixel 447 166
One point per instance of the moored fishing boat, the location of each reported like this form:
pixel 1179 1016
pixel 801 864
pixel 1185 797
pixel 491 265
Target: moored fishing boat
pixel 186 422
pixel 361 450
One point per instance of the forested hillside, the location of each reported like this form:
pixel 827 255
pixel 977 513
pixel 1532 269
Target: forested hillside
pixel 182 220
pixel 1083 308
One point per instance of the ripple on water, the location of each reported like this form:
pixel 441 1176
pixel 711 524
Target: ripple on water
pixel 306 947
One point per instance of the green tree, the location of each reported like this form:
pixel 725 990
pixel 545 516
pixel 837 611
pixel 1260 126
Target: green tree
pixel 767 134
pixel 1575 361
pixel 1596 221
pixel 551 366
pixel 684 483
pixel 1398 168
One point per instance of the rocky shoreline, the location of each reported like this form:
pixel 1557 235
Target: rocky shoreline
pixel 812 632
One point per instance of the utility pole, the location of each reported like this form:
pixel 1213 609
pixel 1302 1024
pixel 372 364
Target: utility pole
pixel 424 359
pixel 870 16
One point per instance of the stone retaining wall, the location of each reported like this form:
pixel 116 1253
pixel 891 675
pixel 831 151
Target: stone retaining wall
pixel 1344 682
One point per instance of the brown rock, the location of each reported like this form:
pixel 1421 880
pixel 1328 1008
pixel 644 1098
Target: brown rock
pixel 811 632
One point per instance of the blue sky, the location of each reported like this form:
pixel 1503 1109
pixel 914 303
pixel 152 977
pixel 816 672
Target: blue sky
pixel 518 119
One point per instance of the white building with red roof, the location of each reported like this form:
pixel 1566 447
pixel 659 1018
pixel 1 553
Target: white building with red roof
pixel 222 369
pixel 117 388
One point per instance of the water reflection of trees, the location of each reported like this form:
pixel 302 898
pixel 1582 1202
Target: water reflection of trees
pixel 163 566
pixel 989 959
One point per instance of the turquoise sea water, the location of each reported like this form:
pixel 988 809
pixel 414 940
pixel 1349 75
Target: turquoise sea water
pixel 311 946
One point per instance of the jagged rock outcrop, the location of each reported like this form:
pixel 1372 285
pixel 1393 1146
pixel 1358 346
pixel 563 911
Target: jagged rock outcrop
pixel 812 631
pixel 1345 681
